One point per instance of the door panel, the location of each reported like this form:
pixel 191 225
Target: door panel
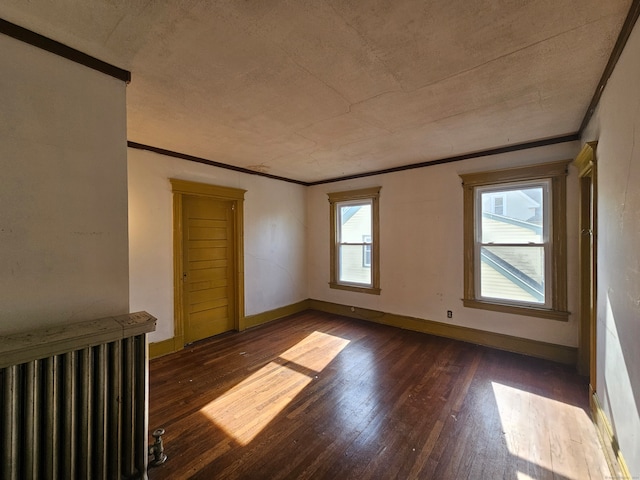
pixel 207 259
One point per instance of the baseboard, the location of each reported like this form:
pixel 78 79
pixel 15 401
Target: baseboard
pixel 549 351
pixel 608 440
pixel 165 347
pixel 534 348
pixel 174 344
pixel 265 317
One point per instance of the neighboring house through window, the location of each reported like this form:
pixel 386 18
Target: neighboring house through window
pixel 498 204
pixel 354 240
pixel 366 251
pixel 515 240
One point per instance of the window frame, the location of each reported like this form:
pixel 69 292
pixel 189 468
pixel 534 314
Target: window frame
pixel 500 192
pixel 371 195
pixel 555 266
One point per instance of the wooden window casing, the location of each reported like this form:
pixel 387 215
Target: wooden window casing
pixel 369 196
pixel 556 271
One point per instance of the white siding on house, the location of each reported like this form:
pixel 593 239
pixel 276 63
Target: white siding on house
pixel 515 204
pixel 496 285
pixel 498 231
pixel 526 259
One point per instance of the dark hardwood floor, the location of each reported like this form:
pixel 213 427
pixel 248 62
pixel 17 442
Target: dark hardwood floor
pixel 326 397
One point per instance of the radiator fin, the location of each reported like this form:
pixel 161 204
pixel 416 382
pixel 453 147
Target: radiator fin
pixel 77 415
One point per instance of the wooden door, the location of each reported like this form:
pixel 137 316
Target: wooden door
pixel 208 277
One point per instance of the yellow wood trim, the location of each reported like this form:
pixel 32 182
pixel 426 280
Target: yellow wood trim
pixel 333 274
pixel 559 253
pixel 557 172
pixel 354 194
pixel 514 174
pixel 608 441
pixel 354 288
pixel 236 196
pixel 197 188
pixel 518 310
pixel 239 262
pixel 586 158
pixel 163 347
pixel 585 162
pixel 557 353
pixel 375 247
pixel 178 308
pixel 372 193
pixel 275 314
pixel 175 344
pixel 468 242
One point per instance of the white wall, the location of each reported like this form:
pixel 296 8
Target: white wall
pixel 616 127
pixel 63 191
pixel 274 236
pixel 421 246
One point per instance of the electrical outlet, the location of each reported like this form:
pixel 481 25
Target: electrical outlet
pixel 449 314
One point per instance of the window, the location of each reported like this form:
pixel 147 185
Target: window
pixel 515 240
pixel 366 251
pixel 498 204
pixel 354 240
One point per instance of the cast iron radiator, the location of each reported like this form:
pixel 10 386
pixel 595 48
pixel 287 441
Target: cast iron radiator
pixel 73 401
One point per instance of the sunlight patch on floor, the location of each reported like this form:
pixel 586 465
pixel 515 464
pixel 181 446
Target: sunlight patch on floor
pixel 524 476
pixel 245 410
pixel 535 432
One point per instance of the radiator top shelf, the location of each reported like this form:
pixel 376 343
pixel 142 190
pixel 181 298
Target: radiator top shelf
pixel 45 342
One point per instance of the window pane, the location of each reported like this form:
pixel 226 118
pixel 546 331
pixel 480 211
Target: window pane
pixel 512 216
pixel 366 256
pixel 351 267
pixel 355 223
pixel 512 273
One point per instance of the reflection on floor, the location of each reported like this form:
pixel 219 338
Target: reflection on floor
pixel 322 396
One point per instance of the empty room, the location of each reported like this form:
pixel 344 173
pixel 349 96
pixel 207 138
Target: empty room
pixel 325 240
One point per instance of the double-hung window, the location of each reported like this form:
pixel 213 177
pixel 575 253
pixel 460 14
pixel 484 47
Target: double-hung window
pixel 515 240
pixel 354 240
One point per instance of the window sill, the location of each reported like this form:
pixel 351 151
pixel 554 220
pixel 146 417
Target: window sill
pixel 355 288
pixel 518 310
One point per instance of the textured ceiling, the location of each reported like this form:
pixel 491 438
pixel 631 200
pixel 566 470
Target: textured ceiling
pixel 310 90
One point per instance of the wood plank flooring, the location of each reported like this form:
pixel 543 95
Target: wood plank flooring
pixel 326 397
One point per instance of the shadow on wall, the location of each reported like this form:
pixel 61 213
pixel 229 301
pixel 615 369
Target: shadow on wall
pixel 621 389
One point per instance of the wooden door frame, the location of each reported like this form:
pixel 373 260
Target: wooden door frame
pixel 180 188
pixel 586 164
